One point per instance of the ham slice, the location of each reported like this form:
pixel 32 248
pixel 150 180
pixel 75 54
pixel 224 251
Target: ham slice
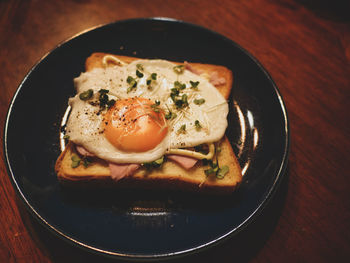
pixel 216 80
pixel 189 67
pixel 121 170
pixel 183 161
pixel 81 150
pixel 118 170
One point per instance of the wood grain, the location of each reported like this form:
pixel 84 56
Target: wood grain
pixel 304 45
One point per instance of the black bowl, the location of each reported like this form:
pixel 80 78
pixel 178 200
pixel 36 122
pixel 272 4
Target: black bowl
pixel 143 224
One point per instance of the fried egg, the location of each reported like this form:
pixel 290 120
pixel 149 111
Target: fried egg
pixel 140 111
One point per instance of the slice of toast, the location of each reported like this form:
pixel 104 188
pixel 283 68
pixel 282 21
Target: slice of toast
pixel 170 175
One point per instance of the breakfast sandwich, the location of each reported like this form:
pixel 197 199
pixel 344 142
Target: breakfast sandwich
pixel 149 123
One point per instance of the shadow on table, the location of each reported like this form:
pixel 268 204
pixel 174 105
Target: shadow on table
pixel 240 248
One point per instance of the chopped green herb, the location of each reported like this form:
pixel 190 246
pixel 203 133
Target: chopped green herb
pixel 155 164
pixel 199 101
pixel 223 170
pixel 130 80
pixel 110 103
pixel 194 84
pixel 86 94
pixel 178 85
pixel 66 137
pixel 219 172
pixel 213 169
pixel 86 162
pixel 180 102
pixel 139 74
pixel 154 76
pixel 174 92
pixel 208 171
pixel 132 83
pixel 75 158
pixel 159 161
pixel 101 91
pixel 104 99
pixel 75 161
pixel 155 106
pixel 182 129
pixel 75 164
pixel 197 125
pixel 170 115
pixel 139 67
pixel 149 80
pixel 179 69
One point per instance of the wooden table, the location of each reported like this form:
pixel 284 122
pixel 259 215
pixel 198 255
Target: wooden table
pixel 305 47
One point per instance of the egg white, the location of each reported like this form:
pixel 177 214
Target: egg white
pixel 84 124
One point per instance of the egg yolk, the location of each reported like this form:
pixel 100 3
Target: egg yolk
pixel 133 125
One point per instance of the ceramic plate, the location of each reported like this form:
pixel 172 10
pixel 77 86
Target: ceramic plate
pixel 143 224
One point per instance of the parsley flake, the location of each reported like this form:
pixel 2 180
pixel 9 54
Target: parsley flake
pixel 155 106
pixel 75 161
pixel 150 79
pixel 194 84
pixel 178 85
pixel 223 170
pixel 181 103
pixel 155 164
pixel 179 69
pixel 199 101
pixel 139 74
pixel 104 99
pixel 197 125
pixel 132 83
pixel 154 76
pixel 182 129
pixel 86 162
pixel 170 115
pixel 214 169
pixel 86 94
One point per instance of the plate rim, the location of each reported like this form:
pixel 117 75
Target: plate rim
pixel 234 231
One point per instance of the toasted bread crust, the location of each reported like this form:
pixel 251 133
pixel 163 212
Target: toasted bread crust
pixel 170 175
